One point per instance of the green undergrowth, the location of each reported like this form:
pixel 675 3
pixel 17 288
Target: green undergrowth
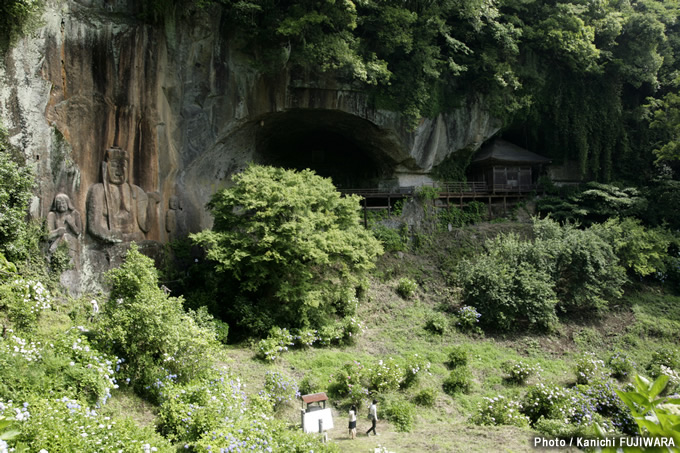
pixel 645 322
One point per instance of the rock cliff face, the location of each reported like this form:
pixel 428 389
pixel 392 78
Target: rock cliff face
pixel 190 111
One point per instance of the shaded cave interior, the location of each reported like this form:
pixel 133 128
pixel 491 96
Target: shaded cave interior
pixel 352 151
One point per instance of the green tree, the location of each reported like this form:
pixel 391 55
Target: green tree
pixel 294 246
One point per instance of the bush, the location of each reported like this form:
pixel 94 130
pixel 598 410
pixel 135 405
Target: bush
pixel 291 246
pixel 415 366
pixel 279 389
pixel 149 329
pixel 640 250
pixel 437 323
pixel 547 401
pixel 458 381
pixel 468 317
pixel 386 375
pixel 425 397
pixel 621 365
pixel 392 240
pixel 24 300
pixel 406 288
pixel 589 369
pixel 665 357
pixel 519 372
pixel 351 382
pixel 500 411
pixel 402 414
pixel 458 357
pixel 277 342
pixel 66 424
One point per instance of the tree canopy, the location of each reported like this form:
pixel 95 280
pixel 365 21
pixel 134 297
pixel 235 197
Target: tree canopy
pixel 293 248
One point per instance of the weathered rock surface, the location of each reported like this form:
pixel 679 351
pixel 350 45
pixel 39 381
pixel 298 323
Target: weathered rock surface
pixel 190 111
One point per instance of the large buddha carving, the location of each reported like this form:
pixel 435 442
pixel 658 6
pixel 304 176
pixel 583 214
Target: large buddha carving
pixel 118 211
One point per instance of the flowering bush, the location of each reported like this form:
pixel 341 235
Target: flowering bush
pixel 280 389
pixel 468 317
pixel 546 401
pixel 406 288
pixel 350 382
pixel 189 410
pixel 602 395
pixel 150 329
pixel 519 372
pixel 65 424
pixel 330 334
pixel 415 367
pixel 24 300
pixel 277 342
pixel 589 368
pixel 68 363
pixel 500 411
pixel 620 364
pixel 352 327
pixel 665 357
pixel 385 376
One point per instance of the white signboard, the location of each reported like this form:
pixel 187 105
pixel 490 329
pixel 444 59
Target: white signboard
pixel 310 420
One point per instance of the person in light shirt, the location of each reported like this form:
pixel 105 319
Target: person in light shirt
pixel 373 415
pixel 353 422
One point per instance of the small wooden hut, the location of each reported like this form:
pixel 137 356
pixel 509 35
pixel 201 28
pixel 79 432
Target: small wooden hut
pixel 506 167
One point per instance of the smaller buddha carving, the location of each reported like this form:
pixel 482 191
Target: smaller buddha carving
pixel 64 225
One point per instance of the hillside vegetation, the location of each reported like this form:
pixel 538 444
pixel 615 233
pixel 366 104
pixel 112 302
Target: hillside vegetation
pixel 469 333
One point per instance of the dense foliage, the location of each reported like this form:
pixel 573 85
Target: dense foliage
pixel 16 184
pixel 292 248
pixel 159 341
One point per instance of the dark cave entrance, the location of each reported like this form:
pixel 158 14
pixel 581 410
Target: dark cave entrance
pixel 344 147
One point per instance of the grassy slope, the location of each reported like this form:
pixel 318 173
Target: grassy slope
pixel 647 320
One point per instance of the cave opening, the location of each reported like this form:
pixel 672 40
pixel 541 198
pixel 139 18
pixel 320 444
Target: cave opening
pixel 348 149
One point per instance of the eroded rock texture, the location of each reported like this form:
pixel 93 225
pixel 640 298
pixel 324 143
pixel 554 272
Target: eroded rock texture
pixel 191 111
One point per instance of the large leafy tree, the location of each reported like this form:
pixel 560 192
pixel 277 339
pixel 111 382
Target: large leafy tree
pixel 294 246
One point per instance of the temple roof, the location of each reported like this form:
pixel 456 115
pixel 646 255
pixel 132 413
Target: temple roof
pixel 501 151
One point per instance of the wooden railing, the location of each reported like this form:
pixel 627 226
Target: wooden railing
pixel 445 189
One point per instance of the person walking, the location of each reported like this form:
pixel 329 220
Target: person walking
pixel 373 415
pixel 353 422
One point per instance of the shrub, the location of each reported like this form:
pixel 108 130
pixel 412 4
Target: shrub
pixel 664 357
pixel 640 250
pixel 458 357
pixel 519 372
pixel 415 366
pixel 603 396
pixel 458 381
pixel 23 301
pixel 402 414
pixel 392 240
pixel 277 342
pixel 437 323
pixel 620 364
pixel 406 288
pixel 547 401
pixel 500 411
pixel 426 397
pixel 351 381
pixel 290 244
pixel 279 389
pixel 589 369
pixel 386 375
pixel 66 424
pixel 149 329
pixel 468 317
